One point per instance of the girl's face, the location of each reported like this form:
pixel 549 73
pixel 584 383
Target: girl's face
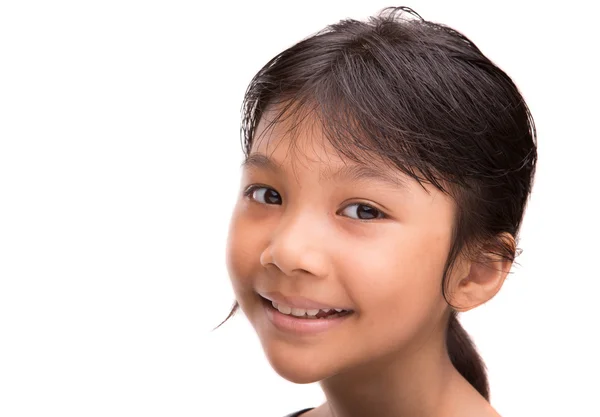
pixel 310 228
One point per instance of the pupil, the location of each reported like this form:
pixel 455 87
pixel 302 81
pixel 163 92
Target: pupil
pixel 368 210
pixel 269 194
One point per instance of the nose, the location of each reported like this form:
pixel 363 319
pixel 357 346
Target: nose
pixel 299 245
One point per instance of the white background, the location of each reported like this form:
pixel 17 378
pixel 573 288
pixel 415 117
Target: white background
pixel 119 168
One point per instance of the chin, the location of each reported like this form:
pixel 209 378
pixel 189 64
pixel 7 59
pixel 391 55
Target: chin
pixel 297 366
pixel 298 375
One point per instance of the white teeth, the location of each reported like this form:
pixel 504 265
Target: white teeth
pixel 300 312
pixel 284 309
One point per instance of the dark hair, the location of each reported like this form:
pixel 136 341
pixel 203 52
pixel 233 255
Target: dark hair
pixel 426 100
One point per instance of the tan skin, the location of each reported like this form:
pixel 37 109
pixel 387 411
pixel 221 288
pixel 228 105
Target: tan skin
pixel 304 232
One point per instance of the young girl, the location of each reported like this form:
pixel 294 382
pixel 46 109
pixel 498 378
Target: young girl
pixel 387 168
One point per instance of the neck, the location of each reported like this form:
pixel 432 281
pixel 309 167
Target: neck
pixel 422 384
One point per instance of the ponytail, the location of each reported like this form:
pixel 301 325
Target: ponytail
pixel 465 358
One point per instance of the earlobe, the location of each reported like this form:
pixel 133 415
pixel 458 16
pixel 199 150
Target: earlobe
pixel 475 283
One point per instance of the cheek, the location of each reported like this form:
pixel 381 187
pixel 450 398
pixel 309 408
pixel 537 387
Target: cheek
pixel 409 260
pixel 399 287
pixel 240 254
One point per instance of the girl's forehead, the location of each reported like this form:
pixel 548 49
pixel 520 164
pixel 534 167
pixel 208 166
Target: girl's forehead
pixel 296 145
pixel 300 138
pixel 283 155
pixel 300 149
pixel 284 142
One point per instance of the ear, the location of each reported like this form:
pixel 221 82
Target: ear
pixel 474 283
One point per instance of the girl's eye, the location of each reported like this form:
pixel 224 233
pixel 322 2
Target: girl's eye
pixel 363 211
pixel 367 211
pixel 268 194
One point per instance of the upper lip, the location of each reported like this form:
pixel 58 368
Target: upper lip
pixel 296 301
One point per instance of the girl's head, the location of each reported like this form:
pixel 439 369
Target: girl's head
pixel 388 164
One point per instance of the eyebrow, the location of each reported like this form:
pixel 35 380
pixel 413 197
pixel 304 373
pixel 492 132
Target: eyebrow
pixel 354 172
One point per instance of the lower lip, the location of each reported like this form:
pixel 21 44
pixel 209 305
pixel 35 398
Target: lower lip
pixel 294 325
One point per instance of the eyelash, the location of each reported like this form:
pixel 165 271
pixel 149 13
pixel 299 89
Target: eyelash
pixel 253 188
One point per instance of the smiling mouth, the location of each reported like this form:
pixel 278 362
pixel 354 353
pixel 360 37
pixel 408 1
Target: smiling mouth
pixel 308 314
